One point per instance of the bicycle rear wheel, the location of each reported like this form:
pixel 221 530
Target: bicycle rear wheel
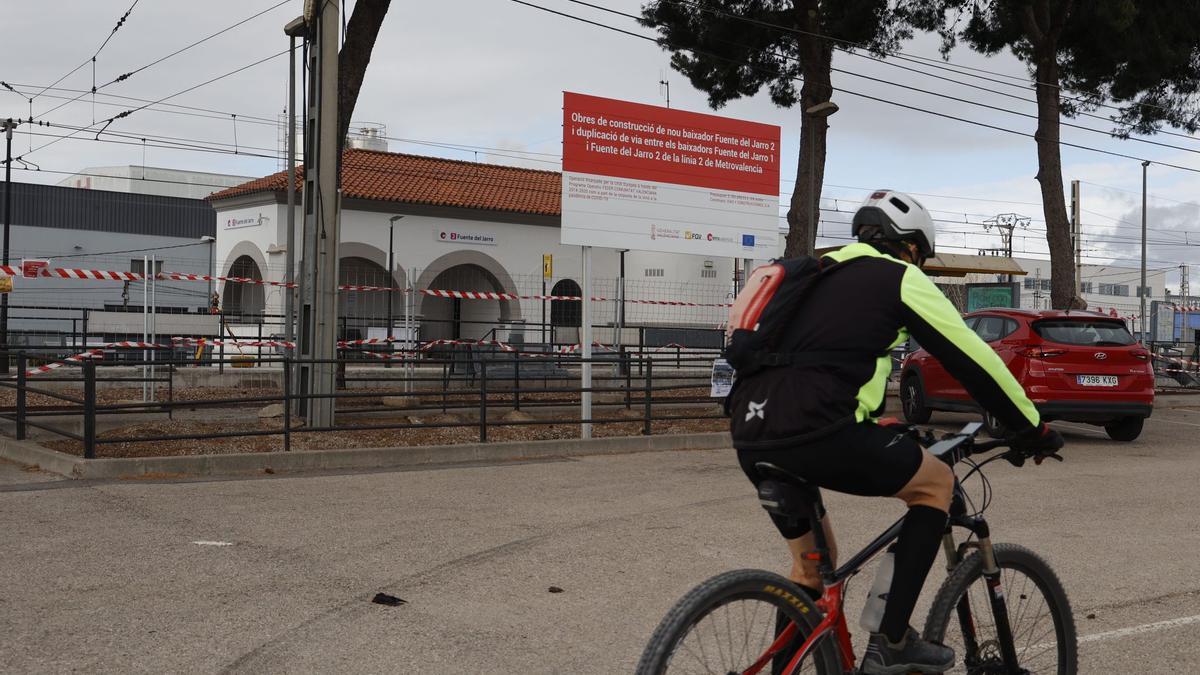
pixel 728 623
pixel 1043 627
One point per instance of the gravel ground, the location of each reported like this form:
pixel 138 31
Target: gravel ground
pixel 110 396
pixel 373 438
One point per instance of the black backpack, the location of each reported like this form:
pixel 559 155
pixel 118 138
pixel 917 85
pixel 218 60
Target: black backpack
pixel 762 310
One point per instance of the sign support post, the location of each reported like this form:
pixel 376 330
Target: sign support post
pixel 145 326
pixel 547 273
pixel 585 346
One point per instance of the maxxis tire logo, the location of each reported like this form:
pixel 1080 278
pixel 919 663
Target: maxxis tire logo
pixel 787 596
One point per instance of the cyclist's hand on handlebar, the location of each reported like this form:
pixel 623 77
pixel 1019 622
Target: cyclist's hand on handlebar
pixel 1039 439
pixel 1039 443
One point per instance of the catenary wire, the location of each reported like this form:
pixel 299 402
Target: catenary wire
pixel 877 99
pixel 928 92
pixel 92 58
pixel 130 111
pixel 1020 82
pixel 126 76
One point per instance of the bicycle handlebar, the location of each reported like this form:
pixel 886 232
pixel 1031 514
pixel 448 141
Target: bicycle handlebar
pixel 989 445
pixel 954 447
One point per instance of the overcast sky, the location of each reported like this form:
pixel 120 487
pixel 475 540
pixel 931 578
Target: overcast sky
pixel 490 73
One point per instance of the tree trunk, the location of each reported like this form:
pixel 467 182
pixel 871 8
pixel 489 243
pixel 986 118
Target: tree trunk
pixel 804 212
pixel 1049 176
pixel 361 32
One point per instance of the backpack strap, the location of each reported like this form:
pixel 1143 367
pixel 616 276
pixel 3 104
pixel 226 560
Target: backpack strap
pixel 773 359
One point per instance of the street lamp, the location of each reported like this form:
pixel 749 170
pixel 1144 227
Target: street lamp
pixel 1142 292
pixel 212 242
pixel 8 126
pixel 818 112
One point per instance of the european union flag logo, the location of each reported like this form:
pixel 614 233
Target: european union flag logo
pixel 748 240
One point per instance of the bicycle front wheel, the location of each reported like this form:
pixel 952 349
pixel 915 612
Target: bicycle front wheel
pixel 1043 628
pixel 729 623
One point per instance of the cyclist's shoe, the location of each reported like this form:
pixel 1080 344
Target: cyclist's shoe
pixel 911 654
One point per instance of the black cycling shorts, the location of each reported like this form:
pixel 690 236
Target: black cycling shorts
pixel 861 459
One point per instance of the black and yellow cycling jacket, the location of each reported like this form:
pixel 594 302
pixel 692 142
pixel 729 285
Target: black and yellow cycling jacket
pixel 857 313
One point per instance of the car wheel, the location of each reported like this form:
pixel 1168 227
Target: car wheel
pixel 994 427
pixel 1126 429
pixel 912 400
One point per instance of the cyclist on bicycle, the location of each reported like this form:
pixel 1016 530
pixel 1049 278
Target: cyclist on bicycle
pixel 818 418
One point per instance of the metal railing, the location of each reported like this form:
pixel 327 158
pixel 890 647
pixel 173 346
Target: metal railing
pixel 1175 364
pixel 645 388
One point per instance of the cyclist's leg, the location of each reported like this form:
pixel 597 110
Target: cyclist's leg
pixel 932 485
pixel 927 495
pixel 797 534
pixel 804 572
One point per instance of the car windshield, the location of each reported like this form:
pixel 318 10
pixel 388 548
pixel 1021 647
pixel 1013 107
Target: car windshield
pixel 1095 333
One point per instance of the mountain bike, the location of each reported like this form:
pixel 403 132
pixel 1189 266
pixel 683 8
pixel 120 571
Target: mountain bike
pixel 1001 608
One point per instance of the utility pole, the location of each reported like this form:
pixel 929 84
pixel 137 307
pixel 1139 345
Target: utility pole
pixel 1006 223
pixel 294 29
pixel 9 125
pixel 391 293
pixel 1077 236
pixel 1142 287
pixel 318 313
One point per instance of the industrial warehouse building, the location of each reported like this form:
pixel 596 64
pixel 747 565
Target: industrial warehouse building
pixel 104 230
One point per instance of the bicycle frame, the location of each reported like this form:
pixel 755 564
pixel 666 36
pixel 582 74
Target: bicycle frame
pixel 832 601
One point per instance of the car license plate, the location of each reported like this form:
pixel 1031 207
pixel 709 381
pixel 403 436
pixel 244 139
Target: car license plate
pixel 1097 380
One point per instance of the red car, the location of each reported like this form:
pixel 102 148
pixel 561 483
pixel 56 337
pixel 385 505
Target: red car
pixel 1075 366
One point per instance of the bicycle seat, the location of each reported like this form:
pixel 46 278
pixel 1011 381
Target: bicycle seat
pixel 785 494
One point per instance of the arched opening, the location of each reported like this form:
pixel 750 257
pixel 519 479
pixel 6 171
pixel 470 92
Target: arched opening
pixel 459 318
pixel 566 315
pixel 243 300
pixel 359 310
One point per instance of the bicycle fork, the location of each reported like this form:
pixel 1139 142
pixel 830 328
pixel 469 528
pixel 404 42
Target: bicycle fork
pixel 991 576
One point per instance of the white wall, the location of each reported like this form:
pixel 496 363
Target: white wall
pixel 425 243
pixel 1095 275
pixel 151 180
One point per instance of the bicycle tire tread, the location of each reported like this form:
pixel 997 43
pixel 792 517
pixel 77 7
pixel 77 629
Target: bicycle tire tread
pixel 712 592
pixel 971 568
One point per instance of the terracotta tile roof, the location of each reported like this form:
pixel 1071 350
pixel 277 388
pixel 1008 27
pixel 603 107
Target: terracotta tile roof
pixel 413 179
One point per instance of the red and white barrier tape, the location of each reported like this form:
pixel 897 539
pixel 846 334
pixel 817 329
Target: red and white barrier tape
pixel 571 349
pixel 1187 363
pixel 182 276
pixel 1112 312
pixel 108 275
pixel 494 295
pixel 89 354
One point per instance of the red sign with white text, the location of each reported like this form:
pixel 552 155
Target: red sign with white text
pixel 30 269
pixel 606 137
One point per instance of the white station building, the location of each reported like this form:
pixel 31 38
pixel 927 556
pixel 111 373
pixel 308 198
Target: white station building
pixel 465 227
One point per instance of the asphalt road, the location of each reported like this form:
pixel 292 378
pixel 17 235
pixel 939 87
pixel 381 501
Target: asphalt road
pixel 275 574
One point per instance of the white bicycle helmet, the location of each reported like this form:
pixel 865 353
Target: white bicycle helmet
pixel 895 216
